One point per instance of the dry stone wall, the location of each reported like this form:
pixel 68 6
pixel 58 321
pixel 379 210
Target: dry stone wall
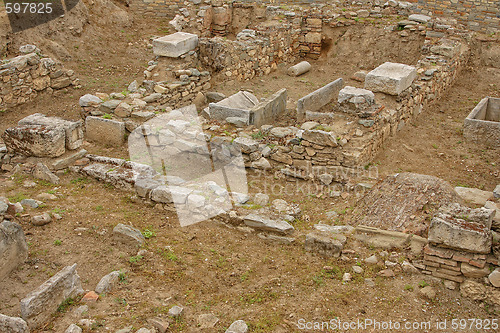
pixel 480 15
pixel 24 77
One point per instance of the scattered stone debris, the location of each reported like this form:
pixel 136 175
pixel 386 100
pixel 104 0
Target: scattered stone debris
pixel 238 326
pixel 404 202
pixel 13 325
pixel 13 247
pixel 128 235
pixel 38 306
pixel 325 243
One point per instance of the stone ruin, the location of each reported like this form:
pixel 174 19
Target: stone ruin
pixel 482 125
pixel 26 76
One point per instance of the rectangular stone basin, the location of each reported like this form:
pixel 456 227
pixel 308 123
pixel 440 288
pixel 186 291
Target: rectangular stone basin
pixel 482 125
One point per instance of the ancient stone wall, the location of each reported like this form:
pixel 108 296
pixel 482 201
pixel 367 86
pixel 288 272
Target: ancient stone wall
pixel 158 8
pixel 481 15
pixel 316 152
pixel 22 78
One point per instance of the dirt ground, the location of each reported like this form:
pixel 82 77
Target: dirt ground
pixel 206 268
pixel 216 268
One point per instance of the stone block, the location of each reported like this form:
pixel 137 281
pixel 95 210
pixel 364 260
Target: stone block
pixel 379 238
pixel 390 78
pixel 237 105
pixel 419 18
pixel 38 306
pixel 262 223
pixel 269 110
pixel 325 243
pixel 67 159
pixel 318 98
pixel 175 45
pixel 13 247
pixel 320 137
pixel 13 325
pixel 351 98
pixel 35 140
pixel 128 235
pixel 106 131
pixel 474 195
pixel 482 125
pixel 462 228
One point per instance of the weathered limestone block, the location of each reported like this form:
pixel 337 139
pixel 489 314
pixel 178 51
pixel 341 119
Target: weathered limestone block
pixel 38 306
pixel 382 238
pixel 320 137
pixel 390 78
pixel 13 325
pixel 352 98
pixel 246 145
pixel 35 140
pixel 13 247
pixel 237 105
pixel 325 243
pixel 107 282
pixel 262 223
pixel 128 235
pixel 105 131
pixel 73 129
pixel 269 110
pixel 462 228
pixel 175 45
pixel 482 125
pixel 318 98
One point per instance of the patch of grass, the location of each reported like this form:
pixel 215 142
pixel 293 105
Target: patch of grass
pixel 99 208
pixel 80 180
pixel 423 284
pixel 122 277
pixel 245 276
pixel 409 287
pixel 107 116
pixel 58 242
pixel 18 197
pixel 135 259
pixel 258 135
pixel 323 128
pixel 148 233
pixel 63 307
pixel 168 254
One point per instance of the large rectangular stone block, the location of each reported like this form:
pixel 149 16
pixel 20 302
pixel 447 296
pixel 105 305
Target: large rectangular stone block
pixel 35 140
pixel 73 129
pixel 105 131
pixel 462 228
pixel 13 247
pixel 319 98
pixel 482 125
pixel 269 110
pixel 237 105
pixel 175 45
pixel 390 78
pixel 38 306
